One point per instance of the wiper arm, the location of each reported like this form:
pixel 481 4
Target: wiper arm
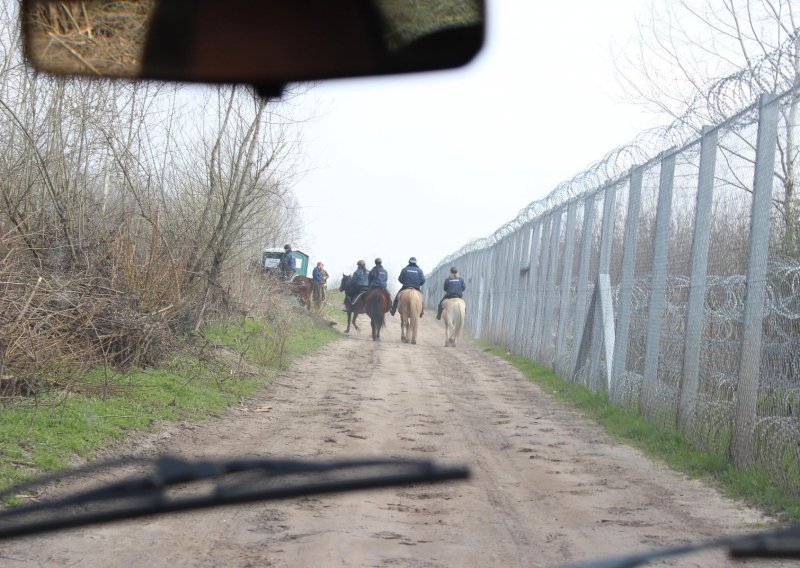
pixel 171 487
pixel 781 543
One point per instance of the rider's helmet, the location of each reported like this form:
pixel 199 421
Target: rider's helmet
pixel 287 247
pixel 412 260
pixel 361 263
pixel 454 270
pixel 378 261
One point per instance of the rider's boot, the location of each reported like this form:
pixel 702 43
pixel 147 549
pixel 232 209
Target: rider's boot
pixel 394 306
pixel 439 312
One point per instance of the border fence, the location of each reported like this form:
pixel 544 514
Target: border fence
pixel 674 288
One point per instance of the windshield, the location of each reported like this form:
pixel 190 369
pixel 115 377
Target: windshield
pixel 542 308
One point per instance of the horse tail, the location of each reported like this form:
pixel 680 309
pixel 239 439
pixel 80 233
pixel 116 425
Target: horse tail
pixel 375 308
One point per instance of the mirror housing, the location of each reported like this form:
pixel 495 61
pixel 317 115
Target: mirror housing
pixel 261 42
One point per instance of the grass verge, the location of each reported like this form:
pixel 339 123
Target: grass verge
pixel 50 431
pixel 752 486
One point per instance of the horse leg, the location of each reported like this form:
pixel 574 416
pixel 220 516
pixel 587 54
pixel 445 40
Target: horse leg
pixel 348 321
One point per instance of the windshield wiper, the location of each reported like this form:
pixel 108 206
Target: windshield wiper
pixel 780 543
pixel 179 485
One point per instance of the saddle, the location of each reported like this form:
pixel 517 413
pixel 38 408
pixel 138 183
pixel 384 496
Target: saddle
pixel 354 301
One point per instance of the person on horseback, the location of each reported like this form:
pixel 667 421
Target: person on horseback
pixel 287 263
pixel 359 282
pixel 453 288
pixel 378 277
pixel 410 277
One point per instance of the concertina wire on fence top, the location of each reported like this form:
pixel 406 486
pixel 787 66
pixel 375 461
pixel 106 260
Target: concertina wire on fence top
pixel 673 287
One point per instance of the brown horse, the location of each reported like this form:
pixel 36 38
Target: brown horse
pixel 409 304
pixel 377 302
pixel 300 287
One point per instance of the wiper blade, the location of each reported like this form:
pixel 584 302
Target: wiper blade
pixel 180 485
pixel 781 543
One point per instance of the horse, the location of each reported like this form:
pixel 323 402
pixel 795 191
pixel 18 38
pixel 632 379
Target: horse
pixel 409 304
pixel 300 287
pixel 377 302
pixel 352 309
pixel 454 310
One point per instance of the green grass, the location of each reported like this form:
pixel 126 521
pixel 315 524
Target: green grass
pixel 754 487
pixel 50 433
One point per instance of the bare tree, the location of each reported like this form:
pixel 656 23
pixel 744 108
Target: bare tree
pixel 702 61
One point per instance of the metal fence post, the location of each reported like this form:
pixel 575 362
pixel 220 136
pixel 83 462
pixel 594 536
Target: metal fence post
pixel 627 280
pixel 604 267
pixel 695 310
pixel 658 286
pixel 541 292
pixel 513 291
pixel 582 284
pixel 566 288
pixel 758 252
pixel 550 302
pixel 523 277
pixel 533 285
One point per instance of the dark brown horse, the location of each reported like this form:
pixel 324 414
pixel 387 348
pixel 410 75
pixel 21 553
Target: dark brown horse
pixel 352 309
pixel 375 302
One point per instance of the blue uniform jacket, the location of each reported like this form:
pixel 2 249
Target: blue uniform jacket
pixel 412 276
pixel 378 277
pixel 316 274
pixel 288 262
pixel 360 277
pixel 454 286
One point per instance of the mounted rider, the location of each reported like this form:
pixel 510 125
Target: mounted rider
pixel 287 263
pixel 378 277
pixel 359 282
pixel 410 277
pixel 454 287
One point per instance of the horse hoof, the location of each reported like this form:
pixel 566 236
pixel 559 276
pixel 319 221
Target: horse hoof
pixel 413 342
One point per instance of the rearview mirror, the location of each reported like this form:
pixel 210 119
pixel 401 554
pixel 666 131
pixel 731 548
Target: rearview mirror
pixel 263 42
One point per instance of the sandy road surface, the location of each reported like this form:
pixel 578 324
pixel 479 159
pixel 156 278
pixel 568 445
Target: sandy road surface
pixel 548 487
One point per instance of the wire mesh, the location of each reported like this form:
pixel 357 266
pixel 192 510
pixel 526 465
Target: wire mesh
pixel 647 298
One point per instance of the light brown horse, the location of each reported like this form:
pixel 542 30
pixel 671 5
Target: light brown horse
pixel 454 310
pixel 409 304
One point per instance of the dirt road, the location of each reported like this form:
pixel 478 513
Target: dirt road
pixel 548 486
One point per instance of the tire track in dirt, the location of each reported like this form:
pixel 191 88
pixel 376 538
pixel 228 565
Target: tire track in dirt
pixel 548 488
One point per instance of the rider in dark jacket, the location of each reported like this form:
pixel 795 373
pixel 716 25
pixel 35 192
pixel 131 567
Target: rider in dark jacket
pixel 359 282
pixel 454 287
pixel 410 277
pixel 378 277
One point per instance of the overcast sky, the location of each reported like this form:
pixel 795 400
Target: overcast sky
pixel 421 165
